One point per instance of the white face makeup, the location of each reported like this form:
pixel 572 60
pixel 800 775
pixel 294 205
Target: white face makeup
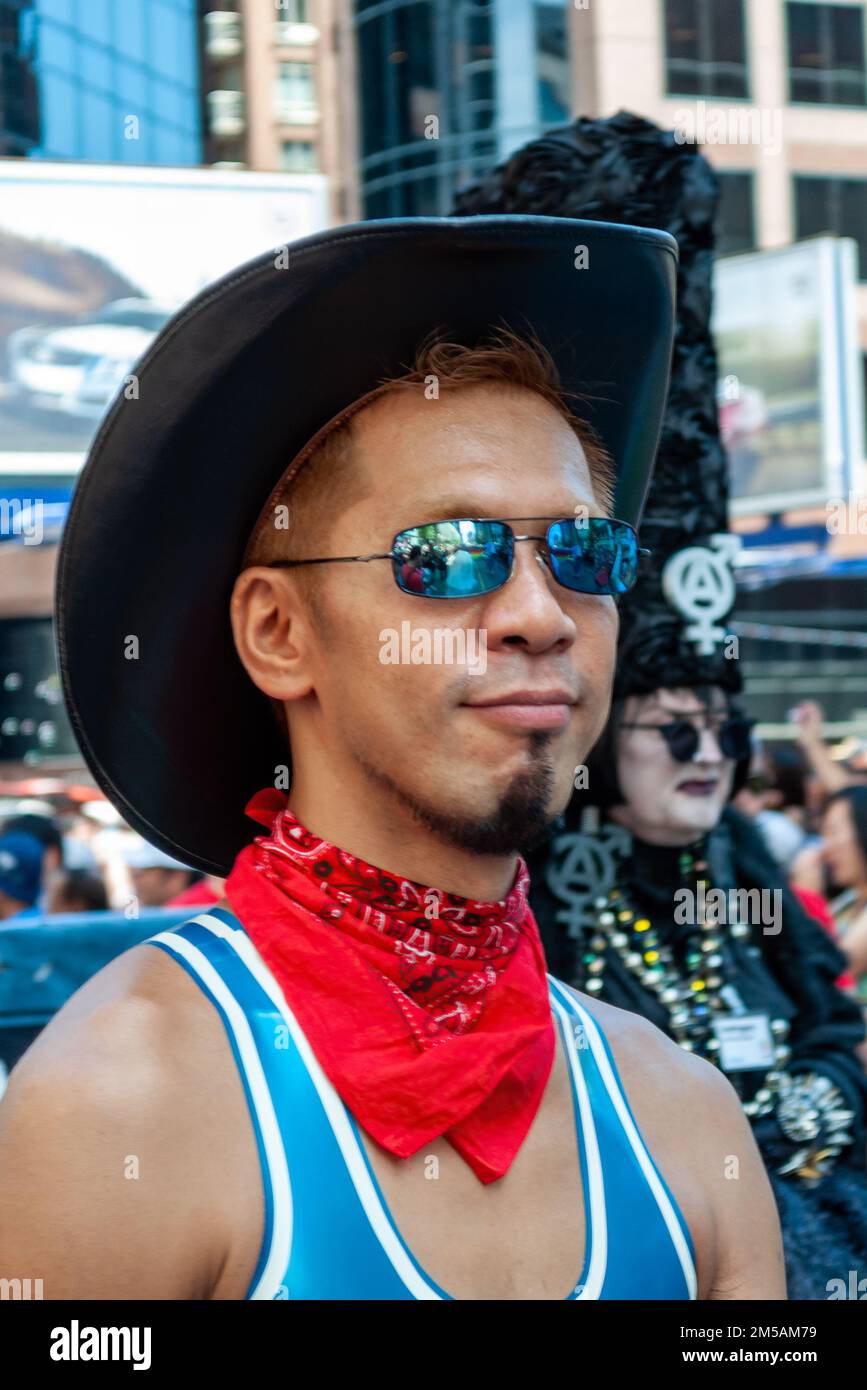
pixel 668 802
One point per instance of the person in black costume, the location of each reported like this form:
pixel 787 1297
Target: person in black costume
pixel 781 970
pixel 655 894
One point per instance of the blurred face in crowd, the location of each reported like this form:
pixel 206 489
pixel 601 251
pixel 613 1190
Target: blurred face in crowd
pixel 483 760
pixel 667 802
pixel 753 797
pixel 841 849
pixel 815 798
pixel 156 886
pixel 52 860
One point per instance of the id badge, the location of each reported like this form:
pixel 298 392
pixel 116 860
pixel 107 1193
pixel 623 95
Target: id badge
pixel 745 1042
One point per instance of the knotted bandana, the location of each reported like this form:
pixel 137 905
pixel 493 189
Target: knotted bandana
pixel 428 1012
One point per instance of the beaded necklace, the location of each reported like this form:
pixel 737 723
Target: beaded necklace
pixel 691 997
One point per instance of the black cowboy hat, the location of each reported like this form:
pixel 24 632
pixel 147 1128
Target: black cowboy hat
pixel 170 725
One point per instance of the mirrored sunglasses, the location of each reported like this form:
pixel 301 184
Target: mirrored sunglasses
pixel 468 557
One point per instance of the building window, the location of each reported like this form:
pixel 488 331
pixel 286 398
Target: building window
pixel 705 52
pixel 298 157
pixel 475 84
pixel 295 93
pixel 736 217
pixel 833 205
pixel 291 11
pixel 826 54
pixel 430 98
pixel 71 74
pixel 399 97
pixel 552 63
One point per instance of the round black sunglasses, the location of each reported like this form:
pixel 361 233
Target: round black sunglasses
pixel 683 738
pixel 470 556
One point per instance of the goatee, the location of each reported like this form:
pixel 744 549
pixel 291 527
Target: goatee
pixel 520 822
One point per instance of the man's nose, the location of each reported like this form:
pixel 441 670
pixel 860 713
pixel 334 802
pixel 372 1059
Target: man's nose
pixel 527 609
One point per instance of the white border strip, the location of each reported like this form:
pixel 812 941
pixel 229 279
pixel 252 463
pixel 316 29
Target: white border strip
pixel 277 1263
pixel 640 1148
pixel 597 1226
pixel 334 1109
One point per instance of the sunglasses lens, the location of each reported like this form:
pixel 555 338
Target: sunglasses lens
pixel 734 738
pixel 453 559
pixel 593 556
pixel 682 739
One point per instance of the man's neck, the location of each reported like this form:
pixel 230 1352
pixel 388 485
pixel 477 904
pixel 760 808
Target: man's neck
pixel 391 839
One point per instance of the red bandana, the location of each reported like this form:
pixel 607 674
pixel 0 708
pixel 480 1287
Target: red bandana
pixel 428 1012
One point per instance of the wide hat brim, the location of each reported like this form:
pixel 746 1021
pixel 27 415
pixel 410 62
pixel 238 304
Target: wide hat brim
pixel 170 725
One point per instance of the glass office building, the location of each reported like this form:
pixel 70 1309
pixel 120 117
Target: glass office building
pixel 447 88
pixel 104 80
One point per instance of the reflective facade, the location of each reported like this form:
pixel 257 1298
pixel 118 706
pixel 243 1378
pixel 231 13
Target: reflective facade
pixel 104 80
pixel 448 87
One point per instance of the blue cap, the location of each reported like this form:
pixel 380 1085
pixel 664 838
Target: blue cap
pixel 20 866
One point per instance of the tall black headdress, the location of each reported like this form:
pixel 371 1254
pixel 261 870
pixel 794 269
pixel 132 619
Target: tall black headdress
pixel 626 169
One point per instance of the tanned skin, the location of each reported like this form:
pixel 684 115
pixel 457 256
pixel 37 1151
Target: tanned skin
pixel 128 1165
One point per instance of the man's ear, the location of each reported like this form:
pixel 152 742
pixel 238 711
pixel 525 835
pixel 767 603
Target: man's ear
pixel 272 632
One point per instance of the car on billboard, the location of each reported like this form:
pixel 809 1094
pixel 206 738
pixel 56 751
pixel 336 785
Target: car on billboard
pixel 76 369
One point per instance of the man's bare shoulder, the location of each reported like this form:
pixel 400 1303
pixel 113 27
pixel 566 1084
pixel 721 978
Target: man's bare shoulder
pixel 116 1130
pixel 124 1023
pixel 673 1091
pixel 648 1058
pixel 691 1118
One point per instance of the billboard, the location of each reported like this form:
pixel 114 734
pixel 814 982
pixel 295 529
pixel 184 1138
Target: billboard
pixel 789 394
pixel 93 260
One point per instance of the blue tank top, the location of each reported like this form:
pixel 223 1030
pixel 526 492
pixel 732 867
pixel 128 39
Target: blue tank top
pixel 328 1233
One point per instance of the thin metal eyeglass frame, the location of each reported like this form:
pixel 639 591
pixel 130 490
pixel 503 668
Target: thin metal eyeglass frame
pixel 504 520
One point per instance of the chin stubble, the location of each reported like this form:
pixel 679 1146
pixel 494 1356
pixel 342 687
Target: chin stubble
pixel 521 821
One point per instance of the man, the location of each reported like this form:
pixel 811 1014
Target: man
pixel 358 1085
pixel 160 880
pixel 21 861
pixel 78 890
pixel 46 830
pixel 20 876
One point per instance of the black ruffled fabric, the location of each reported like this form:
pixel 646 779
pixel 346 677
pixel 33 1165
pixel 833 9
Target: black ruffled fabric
pixel 824 1227
pixel 824 1230
pixel 625 169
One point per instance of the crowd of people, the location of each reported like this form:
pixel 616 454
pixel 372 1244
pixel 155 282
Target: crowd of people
pixel 54 862
pixel 810 802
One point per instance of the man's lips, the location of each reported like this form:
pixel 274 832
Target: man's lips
pixel 527 709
